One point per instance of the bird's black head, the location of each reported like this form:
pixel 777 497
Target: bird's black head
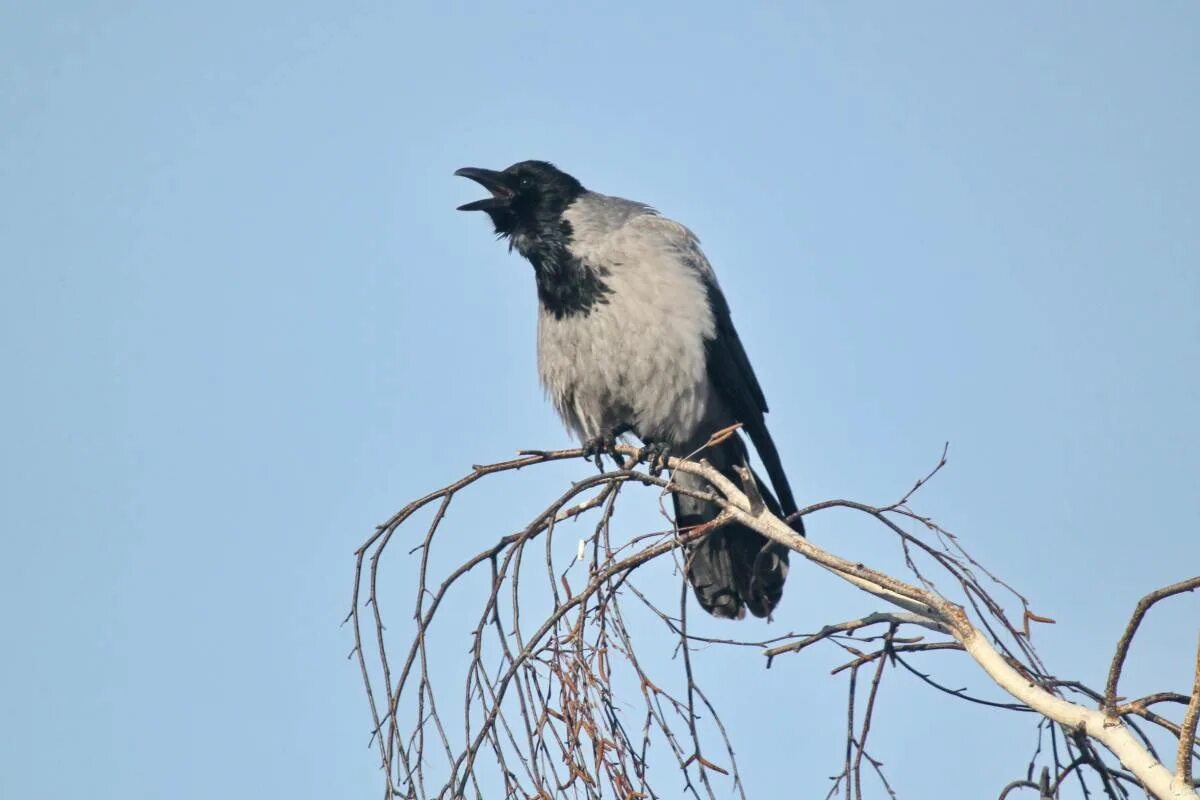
pixel 527 198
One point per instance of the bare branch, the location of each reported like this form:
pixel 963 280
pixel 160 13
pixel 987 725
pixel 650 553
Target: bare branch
pixel 545 704
pixel 1139 612
pixel 1187 735
pixel 1019 785
pixel 852 625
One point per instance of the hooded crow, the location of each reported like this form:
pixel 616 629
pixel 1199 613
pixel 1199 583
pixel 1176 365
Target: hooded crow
pixel 635 336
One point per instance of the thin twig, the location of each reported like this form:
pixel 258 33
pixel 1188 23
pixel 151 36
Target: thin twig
pixel 1139 612
pixel 541 698
pixel 1187 735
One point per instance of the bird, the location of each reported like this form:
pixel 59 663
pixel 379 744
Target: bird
pixel 635 337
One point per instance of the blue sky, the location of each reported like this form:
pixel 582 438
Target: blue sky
pixel 242 323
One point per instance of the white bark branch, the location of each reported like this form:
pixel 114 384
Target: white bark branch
pixel 986 634
pixel 943 614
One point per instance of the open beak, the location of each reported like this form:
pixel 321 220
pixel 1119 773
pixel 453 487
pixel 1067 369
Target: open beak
pixel 495 182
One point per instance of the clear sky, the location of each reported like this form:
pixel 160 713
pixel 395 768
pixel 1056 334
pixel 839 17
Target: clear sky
pixel 242 323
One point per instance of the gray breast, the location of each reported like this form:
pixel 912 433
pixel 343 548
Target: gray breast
pixel 639 358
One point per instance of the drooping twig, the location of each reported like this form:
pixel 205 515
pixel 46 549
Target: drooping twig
pixel 553 657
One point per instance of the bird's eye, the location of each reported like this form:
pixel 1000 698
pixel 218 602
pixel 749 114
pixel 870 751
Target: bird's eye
pixel 526 182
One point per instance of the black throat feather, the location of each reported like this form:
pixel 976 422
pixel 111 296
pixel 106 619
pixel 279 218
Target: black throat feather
pixel 566 286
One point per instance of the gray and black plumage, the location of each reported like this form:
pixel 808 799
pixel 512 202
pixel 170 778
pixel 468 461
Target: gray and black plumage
pixel 634 335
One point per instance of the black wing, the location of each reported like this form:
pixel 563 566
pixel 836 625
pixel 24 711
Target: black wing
pixel 732 376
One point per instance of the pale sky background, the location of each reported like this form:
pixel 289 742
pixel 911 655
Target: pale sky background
pixel 242 323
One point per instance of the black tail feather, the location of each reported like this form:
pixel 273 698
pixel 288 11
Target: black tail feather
pixel 733 568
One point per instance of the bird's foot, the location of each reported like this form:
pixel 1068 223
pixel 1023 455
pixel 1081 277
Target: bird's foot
pixel 655 454
pixel 605 444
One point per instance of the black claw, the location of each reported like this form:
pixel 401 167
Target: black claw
pixel 606 444
pixel 594 449
pixel 655 454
